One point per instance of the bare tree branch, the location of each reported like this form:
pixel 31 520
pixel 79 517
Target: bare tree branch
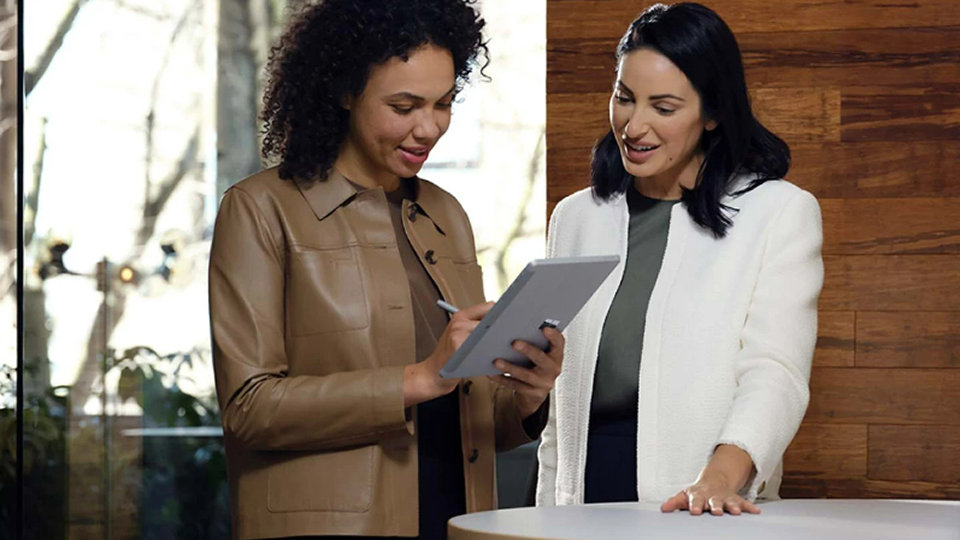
pixel 518 230
pixel 238 151
pixel 8 140
pixel 140 10
pixel 108 317
pixel 32 76
pixel 90 373
pixel 153 207
pixel 32 197
pixel 154 96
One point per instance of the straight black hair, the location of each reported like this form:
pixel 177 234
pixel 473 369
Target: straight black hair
pixel 702 46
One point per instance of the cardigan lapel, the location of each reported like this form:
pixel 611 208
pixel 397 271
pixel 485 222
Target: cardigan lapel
pixel 678 234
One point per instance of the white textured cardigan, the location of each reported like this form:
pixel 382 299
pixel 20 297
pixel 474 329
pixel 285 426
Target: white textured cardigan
pixel 728 341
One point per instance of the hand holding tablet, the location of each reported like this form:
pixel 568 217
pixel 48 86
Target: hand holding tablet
pixel 547 293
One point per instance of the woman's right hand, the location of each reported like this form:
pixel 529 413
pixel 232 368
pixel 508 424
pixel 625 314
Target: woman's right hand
pixel 422 381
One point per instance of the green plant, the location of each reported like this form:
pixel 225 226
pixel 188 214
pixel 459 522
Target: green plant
pixel 43 456
pixel 154 382
pixel 183 483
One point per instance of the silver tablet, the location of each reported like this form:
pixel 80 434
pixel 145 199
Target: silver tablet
pixel 548 292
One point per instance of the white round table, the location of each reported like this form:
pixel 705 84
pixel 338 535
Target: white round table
pixel 796 519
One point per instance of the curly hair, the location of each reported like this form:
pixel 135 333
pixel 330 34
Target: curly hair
pixel 327 53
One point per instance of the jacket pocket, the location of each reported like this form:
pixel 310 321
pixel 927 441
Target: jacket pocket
pixel 325 292
pixel 339 481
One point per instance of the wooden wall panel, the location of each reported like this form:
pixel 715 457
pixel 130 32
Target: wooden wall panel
pixel 582 19
pixel 904 339
pixel 891 283
pixel 914 453
pixel 867 94
pixel 836 339
pixel 904 113
pixel 926 453
pixel 828 450
pixel 885 396
pixel 890 226
pixel 902 169
pixel 809 114
pixel 801 114
pixel 891 56
pixel 799 486
pixel 577 120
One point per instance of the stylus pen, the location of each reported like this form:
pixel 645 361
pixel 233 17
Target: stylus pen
pixel 450 308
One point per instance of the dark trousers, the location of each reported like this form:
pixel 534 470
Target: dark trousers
pixel 611 471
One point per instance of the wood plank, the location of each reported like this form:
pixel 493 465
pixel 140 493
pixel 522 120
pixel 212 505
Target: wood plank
pixel 884 396
pixel 901 114
pixel 568 170
pixel 831 170
pixel 904 339
pixel 846 57
pixel 877 169
pixel 891 283
pixel 827 450
pixel 570 19
pixel 577 120
pixel 835 339
pixel 924 453
pixel 581 65
pixel 797 114
pixel 798 487
pixel 891 226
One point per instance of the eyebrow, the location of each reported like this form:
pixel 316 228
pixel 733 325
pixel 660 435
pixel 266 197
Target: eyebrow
pixel 665 96
pixel 654 97
pixel 416 98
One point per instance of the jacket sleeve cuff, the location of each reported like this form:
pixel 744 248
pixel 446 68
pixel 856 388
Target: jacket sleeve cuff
pixel 510 429
pixel 752 445
pixel 388 410
pixel 533 425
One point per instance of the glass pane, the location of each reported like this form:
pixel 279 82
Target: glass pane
pixel 120 135
pixel 493 157
pixel 8 265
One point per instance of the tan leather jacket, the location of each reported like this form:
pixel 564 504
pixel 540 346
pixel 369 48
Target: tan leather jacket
pixel 312 324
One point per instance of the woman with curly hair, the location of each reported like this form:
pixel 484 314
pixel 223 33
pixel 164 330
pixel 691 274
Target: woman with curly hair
pixel 324 277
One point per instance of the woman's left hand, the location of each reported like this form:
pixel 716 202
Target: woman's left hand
pixel 709 495
pixel 532 385
pixel 715 490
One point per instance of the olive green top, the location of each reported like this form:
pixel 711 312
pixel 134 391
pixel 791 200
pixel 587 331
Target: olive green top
pixel 617 378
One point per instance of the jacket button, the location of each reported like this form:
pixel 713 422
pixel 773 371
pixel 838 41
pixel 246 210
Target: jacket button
pixel 430 257
pixel 474 454
pixel 466 387
pixel 412 216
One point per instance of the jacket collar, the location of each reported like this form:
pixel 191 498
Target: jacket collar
pixel 429 201
pixel 325 196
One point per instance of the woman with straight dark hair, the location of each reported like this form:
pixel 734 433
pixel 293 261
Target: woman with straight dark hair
pixel 686 376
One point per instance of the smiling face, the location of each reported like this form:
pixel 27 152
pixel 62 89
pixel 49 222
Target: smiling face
pixel 656 116
pixel 398 118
